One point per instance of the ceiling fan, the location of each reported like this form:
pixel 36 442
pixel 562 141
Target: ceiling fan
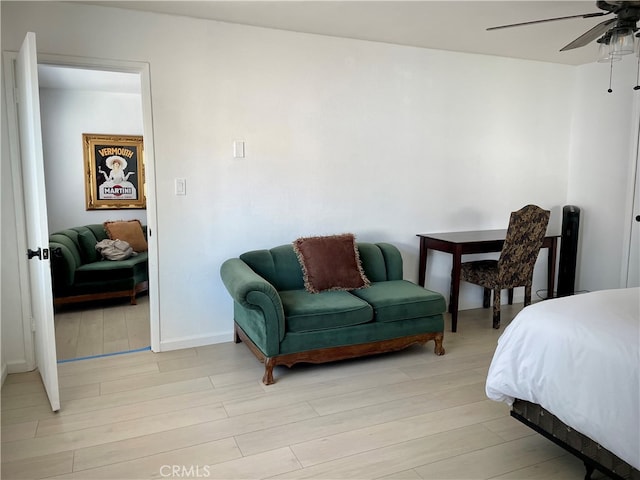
pixel 625 22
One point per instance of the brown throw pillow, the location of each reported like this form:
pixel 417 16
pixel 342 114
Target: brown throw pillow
pixel 330 263
pixel 129 231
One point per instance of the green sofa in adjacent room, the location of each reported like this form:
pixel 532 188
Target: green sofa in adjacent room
pixel 79 274
pixel 282 323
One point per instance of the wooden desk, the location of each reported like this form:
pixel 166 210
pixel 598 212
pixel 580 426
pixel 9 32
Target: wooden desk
pixel 482 241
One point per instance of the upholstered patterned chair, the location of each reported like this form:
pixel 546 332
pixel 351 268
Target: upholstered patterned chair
pixel 514 268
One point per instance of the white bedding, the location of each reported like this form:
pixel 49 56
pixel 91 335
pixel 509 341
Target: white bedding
pixel 579 358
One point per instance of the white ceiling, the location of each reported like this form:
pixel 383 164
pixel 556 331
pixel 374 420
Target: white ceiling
pixel 448 25
pixel 445 25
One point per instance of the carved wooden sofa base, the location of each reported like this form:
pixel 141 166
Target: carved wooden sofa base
pixel 90 297
pixel 323 355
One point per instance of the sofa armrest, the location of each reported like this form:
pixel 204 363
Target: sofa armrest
pixel 250 290
pixel 63 266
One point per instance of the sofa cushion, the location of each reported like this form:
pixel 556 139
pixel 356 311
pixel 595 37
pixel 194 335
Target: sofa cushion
pixel 98 231
pixel 372 261
pixel 380 261
pixel 278 266
pixel 307 312
pixel 129 231
pixel 132 267
pixel 87 241
pixel 330 263
pixel 401 300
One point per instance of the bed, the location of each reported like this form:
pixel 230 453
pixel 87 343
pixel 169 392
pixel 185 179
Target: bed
pixel 570 369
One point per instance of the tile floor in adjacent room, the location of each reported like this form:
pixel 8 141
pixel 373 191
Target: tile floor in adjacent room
pixel 204 413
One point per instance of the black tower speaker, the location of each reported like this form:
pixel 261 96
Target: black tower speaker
pixel 568 250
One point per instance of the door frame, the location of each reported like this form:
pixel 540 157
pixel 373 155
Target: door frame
pixel 632 185
pixel 28 329
pixel 143 69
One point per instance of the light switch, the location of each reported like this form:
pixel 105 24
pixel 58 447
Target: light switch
pixel 238 149
pixel 181 186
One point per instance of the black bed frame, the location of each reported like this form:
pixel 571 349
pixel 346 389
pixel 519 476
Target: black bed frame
pixel 590 452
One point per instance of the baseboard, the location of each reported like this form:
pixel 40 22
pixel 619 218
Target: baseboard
pixel 194 341
pixel 18 367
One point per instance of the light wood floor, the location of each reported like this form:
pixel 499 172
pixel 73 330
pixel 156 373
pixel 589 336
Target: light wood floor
pixel 203 413
pixel 102 328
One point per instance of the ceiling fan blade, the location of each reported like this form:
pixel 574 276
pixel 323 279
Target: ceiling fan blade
pixel 590 35
pixel 583 15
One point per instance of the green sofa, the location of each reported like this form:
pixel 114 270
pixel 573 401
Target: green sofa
pixel 80 275
pixel 283 324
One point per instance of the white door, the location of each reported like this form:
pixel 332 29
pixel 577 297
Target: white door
pixel 37 230
pixel 633 264
pixel 633 274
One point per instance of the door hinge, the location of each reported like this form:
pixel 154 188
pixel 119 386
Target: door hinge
pixel 41 253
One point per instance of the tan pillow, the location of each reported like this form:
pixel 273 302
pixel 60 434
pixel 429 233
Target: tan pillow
pixel 330 263
pixel 129 231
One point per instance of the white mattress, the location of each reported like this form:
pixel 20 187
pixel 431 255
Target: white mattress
pixel 579 358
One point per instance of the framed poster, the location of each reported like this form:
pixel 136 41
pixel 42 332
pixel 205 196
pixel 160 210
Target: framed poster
pixel 114 171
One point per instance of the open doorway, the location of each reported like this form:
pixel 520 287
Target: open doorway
pixel 74 101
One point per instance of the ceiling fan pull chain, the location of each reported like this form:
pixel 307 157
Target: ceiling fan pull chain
pixel 610 73
pixel 637 87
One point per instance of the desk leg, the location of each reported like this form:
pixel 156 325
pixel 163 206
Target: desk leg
pixel 551 267
pixel 422 264
pixel 455 287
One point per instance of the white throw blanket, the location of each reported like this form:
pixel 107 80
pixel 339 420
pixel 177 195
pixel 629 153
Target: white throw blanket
pixel 114 249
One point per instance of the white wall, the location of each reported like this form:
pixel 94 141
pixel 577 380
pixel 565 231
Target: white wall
pixel 341 135
pixel 66 115
pixel 602 154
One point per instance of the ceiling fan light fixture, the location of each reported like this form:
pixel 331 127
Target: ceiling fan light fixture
pixel 622 41
pixel 605 55
pixel 617 36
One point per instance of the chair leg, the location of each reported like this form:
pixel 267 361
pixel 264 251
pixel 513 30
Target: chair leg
pixel 527 295
pixel 486 296
pixel 450 309
pixel 496 308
